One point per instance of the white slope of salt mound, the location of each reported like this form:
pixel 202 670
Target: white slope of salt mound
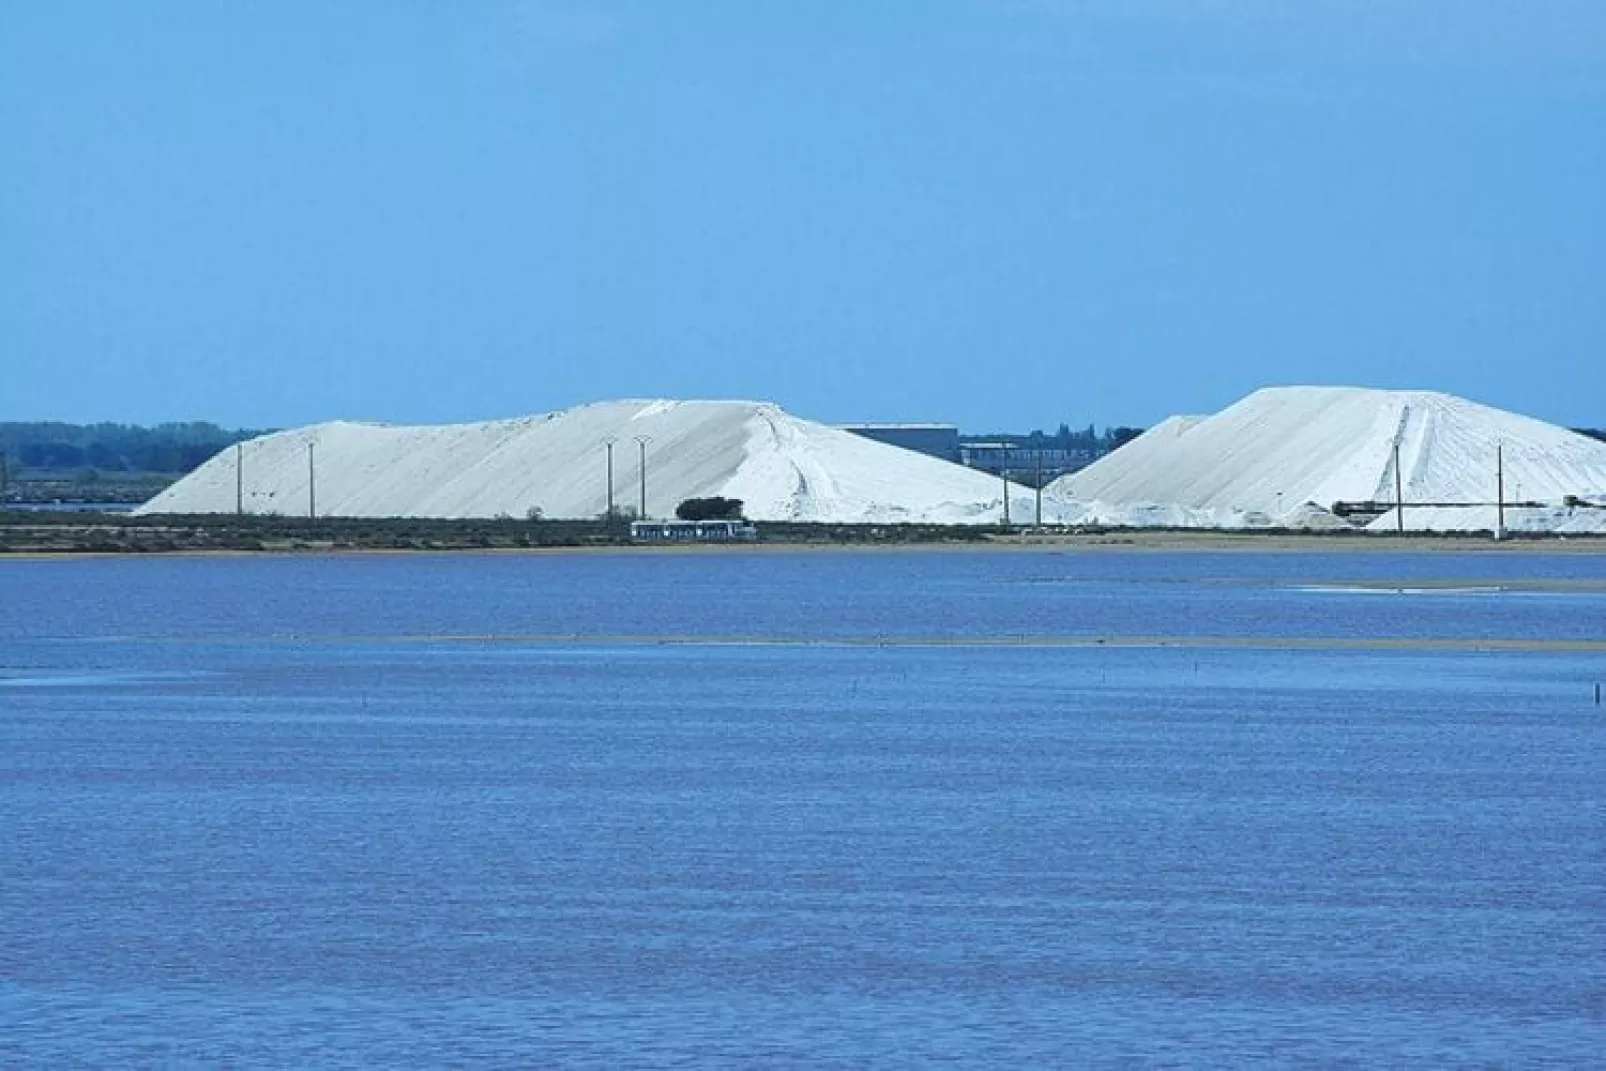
pixel 1147 515
pixel 1283 449
pixel 781 467
pixel 1563 520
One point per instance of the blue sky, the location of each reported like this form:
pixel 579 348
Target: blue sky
pixel 1004 213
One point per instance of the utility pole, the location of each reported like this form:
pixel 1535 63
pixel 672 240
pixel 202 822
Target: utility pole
pixel 641 443
pixel 239 480
pixel 1003 471
pixel 609 444
pixel 5 474
pixel 1399 492
pixel 312 486
pixel 1037 457
pixel 1499 491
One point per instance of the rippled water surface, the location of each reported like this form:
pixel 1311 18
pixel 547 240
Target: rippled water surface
pixel 738 808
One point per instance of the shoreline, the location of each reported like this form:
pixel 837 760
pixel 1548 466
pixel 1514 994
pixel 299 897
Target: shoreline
pixel 93 545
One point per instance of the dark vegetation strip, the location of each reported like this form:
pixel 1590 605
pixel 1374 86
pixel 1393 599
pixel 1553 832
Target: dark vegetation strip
pixel 118 533
pixel 74 532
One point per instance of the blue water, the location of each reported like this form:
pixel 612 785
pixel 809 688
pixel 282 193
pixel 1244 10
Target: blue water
pixel 820 809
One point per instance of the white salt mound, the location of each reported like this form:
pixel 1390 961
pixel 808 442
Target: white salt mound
pixel 1282 457
pixel 781 467
pixel 1289 454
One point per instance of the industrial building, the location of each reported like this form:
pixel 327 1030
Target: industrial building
pixel 937 440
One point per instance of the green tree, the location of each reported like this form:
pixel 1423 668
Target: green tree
pixel 710 509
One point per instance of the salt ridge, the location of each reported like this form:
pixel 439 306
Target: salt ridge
pixel 780 466
pixel 1288 454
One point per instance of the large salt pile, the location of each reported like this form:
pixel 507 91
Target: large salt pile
pixel 781 467
pixel 1288 455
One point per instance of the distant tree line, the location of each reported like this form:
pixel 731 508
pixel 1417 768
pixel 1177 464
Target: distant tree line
pixel 1593 433
pixel 171 448
pixel 1088 440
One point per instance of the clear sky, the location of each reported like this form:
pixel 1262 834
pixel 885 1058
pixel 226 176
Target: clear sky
pixel 1003 213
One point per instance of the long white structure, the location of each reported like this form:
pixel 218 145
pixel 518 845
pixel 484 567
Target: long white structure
pixel 780 466
pixel 1288 455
